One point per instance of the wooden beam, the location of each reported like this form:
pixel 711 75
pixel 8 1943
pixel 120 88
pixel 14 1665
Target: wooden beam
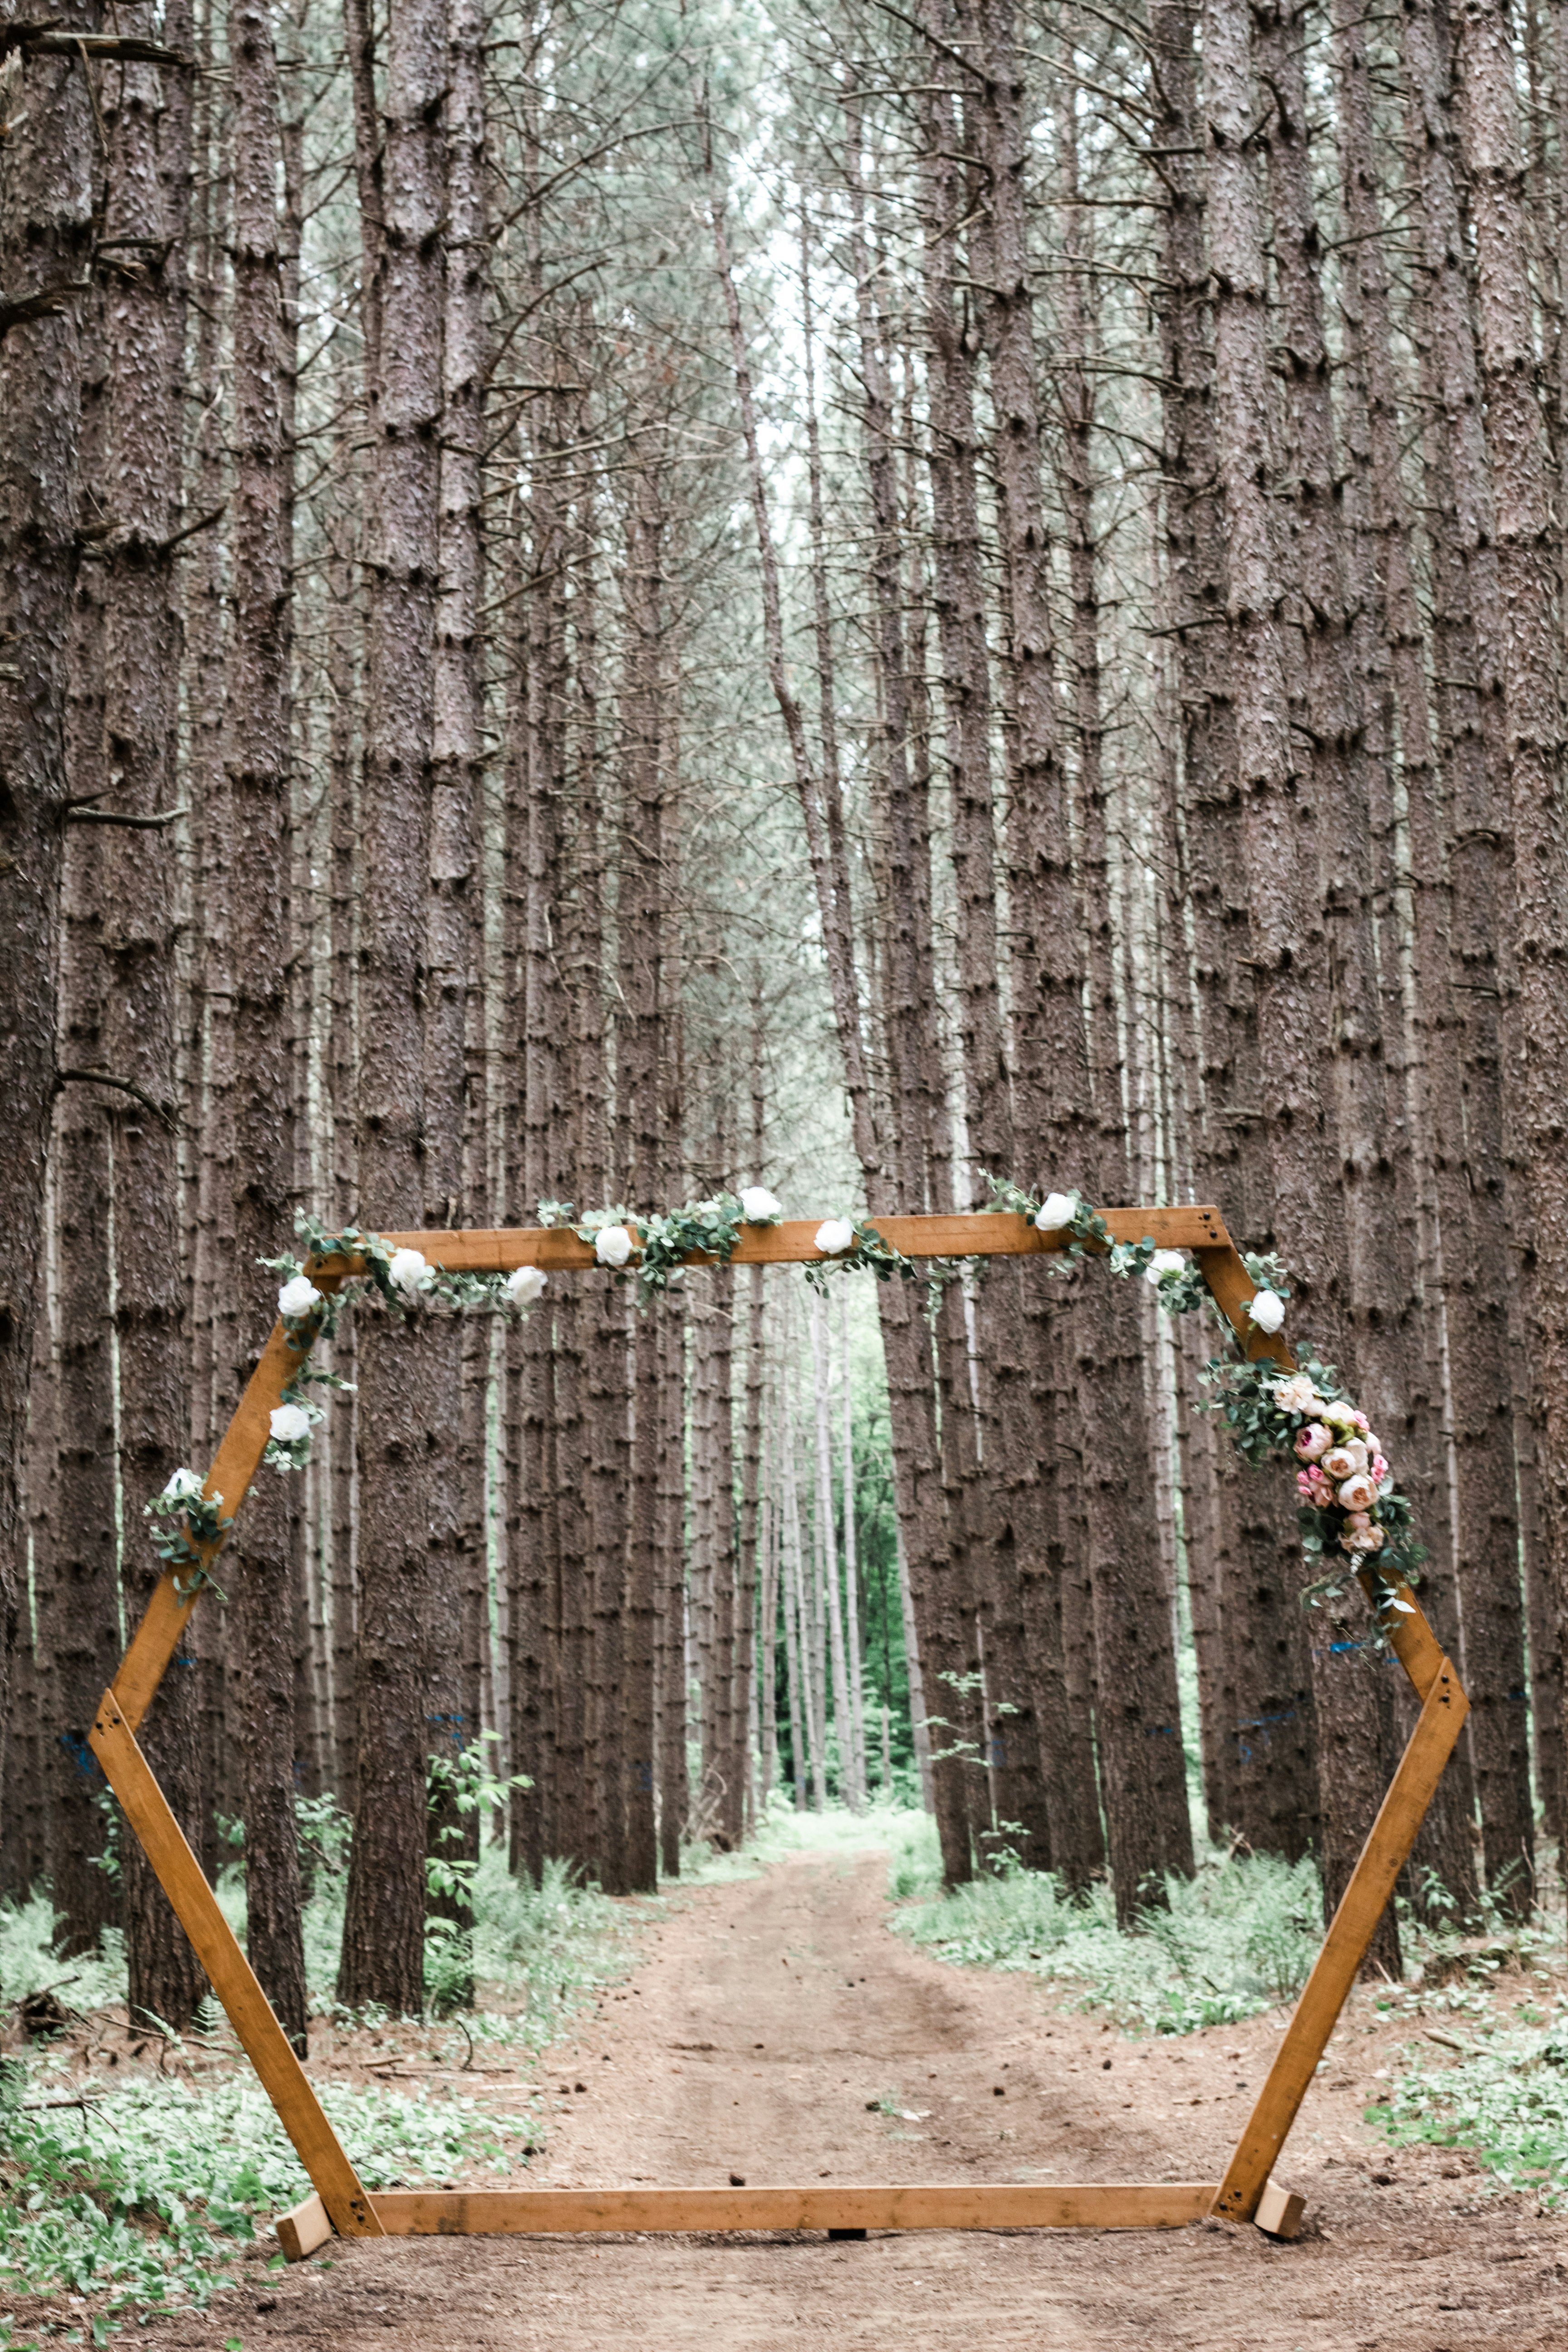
pixel 965 2205
pixel 1344 1946
pixel 1232 1288
pixel 262 2038
pixel 302 2229
pixel 979 1233
pixel 164 1619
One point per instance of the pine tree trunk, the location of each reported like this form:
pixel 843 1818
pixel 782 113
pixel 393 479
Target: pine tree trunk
pixel 147 120
pixel 382 1949
pixel 46 240
pixel 1537 1030
pixel 451 934
pixel 674 1795
pixel 256 772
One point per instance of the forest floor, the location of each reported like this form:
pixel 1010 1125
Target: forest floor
pixel 776 2031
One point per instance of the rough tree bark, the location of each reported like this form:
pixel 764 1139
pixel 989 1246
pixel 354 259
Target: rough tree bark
pixel 1281 841
pixel 382 1949
pixel 1536 1030
pixel 256 774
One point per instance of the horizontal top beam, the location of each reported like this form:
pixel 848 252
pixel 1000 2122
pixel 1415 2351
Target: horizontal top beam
pixel 979 1234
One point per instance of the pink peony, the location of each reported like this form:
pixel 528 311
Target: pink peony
pixel 1361 1423
pixel 1357 1494
pixel 1313 1441
pixel 1379 1469
pixel 1314 1487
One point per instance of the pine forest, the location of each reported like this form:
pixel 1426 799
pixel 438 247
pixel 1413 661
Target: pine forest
pixel 613 611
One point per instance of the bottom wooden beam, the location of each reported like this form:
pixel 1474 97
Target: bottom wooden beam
pixel 475 2213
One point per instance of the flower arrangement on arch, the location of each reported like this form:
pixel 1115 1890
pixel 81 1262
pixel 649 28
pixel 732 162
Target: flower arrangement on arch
pixel 1351 1517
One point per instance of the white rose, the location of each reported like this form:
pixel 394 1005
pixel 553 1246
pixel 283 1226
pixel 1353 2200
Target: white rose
pixel 758 1206
pixel 1164 1266
pixel 613 1245
pixel 410 1272
pixel 289 1423
pixel 1358 1494
pixel 184 1486
pixel 524 1285
pixel 1266 1311
pixel 836 1236
pixel 297 1297
pixel 1056 1210
pixel 1298 1395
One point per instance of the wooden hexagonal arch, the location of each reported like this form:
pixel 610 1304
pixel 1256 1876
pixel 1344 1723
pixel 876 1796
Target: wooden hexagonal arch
pixel 341 2201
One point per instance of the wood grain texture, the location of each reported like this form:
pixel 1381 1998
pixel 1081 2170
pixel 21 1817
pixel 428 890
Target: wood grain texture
pixel 303 2228
pixel 962 2205
pixel 1344 1946
pixel 263 2040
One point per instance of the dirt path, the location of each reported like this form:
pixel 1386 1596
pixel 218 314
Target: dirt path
pixel 771 2017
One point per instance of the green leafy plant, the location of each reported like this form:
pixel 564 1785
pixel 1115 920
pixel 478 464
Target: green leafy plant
pixel 139 2195
pixel 1238 1938
pixel 1501 2095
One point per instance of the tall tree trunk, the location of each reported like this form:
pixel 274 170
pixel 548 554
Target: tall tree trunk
pixel 1537 1032
pixel 383 1950
pixel 451 929
pixel 1139 1716
pixel 1281 840
pixel 46 243
pixel 256 774
pixel 147 117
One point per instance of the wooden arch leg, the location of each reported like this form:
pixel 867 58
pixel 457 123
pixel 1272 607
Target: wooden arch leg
pixel 1345 1945
pixel 266 2045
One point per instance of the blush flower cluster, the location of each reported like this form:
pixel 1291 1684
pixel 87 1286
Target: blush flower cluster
pixel 1345 1468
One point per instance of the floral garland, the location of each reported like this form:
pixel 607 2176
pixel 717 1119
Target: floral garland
pixel 1348 1507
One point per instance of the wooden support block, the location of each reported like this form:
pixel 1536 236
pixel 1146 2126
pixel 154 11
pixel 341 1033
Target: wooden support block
pixel 1280 2211
pixel 303 2228
pixel 841 2211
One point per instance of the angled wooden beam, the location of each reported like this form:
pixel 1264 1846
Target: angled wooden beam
pixel 1344 1946
pixel 195 1907
pixel 239 1459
